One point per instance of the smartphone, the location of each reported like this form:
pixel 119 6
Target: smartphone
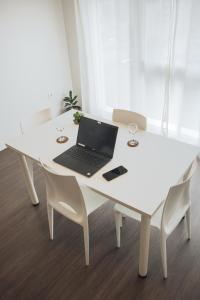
pixel 115 173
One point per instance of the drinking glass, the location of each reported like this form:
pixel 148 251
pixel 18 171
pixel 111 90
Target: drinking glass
pixel 61 138
pixel 132 129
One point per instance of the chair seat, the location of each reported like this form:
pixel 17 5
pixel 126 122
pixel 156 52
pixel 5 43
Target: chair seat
pixel 155 221
pixel 93 200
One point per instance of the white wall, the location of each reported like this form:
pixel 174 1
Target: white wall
pixel 72 39
pixel 34 66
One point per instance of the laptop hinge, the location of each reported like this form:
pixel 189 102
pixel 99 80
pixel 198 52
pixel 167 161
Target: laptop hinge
pixel 86 147
pixel 82 145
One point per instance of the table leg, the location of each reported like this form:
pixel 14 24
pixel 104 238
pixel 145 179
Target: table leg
pixel 144 245
pixel 28 175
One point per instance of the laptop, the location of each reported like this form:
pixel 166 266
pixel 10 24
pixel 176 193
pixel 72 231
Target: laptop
pixel 94 147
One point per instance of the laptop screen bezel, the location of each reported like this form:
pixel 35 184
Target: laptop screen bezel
pixel 89 147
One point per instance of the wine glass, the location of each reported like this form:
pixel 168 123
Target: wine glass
pixel 60 129
pixel 132 129
pixel 61 139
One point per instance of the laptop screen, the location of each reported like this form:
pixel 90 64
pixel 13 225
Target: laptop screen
pixel 97 136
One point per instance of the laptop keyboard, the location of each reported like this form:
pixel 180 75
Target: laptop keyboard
pixel 84 156
pixel 81 160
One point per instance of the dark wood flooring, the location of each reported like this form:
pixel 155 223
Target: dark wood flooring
pixel 33 267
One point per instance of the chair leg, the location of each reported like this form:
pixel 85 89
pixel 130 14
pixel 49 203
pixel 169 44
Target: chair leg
pixel 50 219
pixel 163 254
pixel 118 220
pixel 188 220
pixel 86 242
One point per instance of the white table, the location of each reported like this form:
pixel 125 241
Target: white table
pixel 153 166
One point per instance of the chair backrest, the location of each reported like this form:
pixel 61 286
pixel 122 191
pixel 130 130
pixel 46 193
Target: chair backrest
pixel 127 117
pixel 61 190
pixel 177 201
pixel 35 119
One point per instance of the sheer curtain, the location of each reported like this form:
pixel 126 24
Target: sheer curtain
pixel 142 55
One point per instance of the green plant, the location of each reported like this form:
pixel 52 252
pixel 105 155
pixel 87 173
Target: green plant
pixel 77 116
pixel 70 102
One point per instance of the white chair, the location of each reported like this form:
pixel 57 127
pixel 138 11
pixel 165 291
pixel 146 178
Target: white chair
pixel 175 207
pixel 127 117
pixel 36 119
pixel 72 201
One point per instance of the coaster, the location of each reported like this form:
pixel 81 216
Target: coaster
pixel 132 143
pixel 62 139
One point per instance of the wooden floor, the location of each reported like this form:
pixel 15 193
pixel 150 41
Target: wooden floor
pixel 33 267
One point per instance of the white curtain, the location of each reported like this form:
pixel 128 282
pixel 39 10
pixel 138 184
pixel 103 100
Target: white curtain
pixel 142 55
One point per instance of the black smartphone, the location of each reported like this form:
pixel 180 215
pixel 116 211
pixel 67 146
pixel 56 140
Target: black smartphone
pixel 115 173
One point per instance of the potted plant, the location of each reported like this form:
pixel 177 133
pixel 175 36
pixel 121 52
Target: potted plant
pixel 77 116
pixel 70 102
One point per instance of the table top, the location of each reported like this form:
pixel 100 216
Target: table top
pixel 153 166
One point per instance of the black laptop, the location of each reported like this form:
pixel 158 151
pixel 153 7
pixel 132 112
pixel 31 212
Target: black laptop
pixel 94 147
